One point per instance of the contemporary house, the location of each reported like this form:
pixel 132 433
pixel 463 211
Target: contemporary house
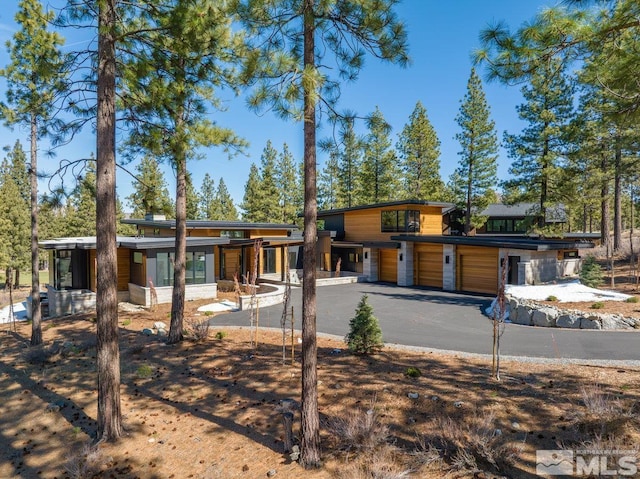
pixel 215 250
pixel 411 243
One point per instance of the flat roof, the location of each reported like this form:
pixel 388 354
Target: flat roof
pixel 131 242
pixel 209 224
pixel 533 244
pixel 440 204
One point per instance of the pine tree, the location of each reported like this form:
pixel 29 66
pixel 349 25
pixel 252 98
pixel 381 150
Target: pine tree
pixel 193 209
pixel 287 184
pixel 347 149
pixel 537 151
pixel 14 215
pixel 591 272
pixel 419 151
pixel 378 177
pixel 269 191
pixel 170 86
pixel 227 210
pixel 150 194
pixel 295 82
pixel 81 212
pixel 35 81
pixel 476 176
pixel 329 192
pixel 365 335
pixel 208 201
pixel 252 201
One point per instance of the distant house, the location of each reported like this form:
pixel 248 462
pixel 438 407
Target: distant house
pixel 411 243
pixel 519 218
pixel 215 250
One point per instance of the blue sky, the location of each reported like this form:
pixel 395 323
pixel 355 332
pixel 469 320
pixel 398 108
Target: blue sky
pixel 442 36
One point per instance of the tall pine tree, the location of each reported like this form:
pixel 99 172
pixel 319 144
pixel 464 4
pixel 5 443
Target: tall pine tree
pixel 538 150
pixel 207 197
pixel 35 83
pixel 150 193
pixel 287 184
pixel 227 210
pixel 378 177
pixel 419 151
pixel 252 208
pixel 475 178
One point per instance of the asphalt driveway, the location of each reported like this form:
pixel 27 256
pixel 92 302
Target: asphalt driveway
pixel 448 321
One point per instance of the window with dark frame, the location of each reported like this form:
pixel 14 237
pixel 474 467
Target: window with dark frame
pixel 400 221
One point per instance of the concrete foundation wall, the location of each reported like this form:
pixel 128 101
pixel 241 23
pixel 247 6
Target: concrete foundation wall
pixel 142 295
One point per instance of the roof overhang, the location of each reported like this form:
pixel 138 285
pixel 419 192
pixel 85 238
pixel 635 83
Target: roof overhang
pixel 130 242
pixel 208 224
pixel 381 244
pixel 530 244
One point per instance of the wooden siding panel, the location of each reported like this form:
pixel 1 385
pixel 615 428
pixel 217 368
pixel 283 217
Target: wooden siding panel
pixel 388 265
pixel 124 263
pixel 366 225
pixel 428 265
pixel 477 269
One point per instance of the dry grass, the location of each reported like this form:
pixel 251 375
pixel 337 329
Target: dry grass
pixel 88 462
pixel 208 409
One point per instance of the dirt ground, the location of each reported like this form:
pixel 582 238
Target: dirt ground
pixel 209 409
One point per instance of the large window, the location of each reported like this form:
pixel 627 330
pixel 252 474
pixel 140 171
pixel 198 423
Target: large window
pixel 195 268
pixel 269 258
pixel 232 233
pixel 400 221
pixel 62 273
pixel 506 225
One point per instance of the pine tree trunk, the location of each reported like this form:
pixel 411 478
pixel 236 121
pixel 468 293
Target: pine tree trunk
pixel 605 212
pixel 36 315
pixel 467 213
pixel 617 198
pixel 108 353
pixel 310 427
pixel 177 300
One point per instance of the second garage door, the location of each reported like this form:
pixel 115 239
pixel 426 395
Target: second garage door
pixel 428 265
pixel 388 265
pixel 477 269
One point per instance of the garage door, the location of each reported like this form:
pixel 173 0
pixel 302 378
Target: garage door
pixel 477 269
pixel 428 265
pixel 388 268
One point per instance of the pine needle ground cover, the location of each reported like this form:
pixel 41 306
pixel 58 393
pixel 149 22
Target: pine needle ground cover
pixel 208 409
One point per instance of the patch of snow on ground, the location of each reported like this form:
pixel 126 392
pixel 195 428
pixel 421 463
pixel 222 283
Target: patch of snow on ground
pixel 219 307
pixel 572 291
pixel 19 312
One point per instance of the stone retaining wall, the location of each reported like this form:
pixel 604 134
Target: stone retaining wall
pixel 530 313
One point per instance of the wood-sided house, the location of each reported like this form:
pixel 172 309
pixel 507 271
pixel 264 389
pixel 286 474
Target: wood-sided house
pixel 411 243
pixel 215 250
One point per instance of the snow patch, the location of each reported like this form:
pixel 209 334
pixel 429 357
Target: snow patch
pixel 572 291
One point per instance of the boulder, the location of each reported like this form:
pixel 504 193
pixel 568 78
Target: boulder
pixel 523 316
pixel 545 317
pixel 159 325
pixel 591 322
pixel 568 321
pixel 147 332
pixel 614 321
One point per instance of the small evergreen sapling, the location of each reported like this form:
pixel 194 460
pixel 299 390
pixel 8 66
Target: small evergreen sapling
pixel 591 273
pixel 364 335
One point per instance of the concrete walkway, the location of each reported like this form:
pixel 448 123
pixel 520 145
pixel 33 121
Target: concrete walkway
pixel 446 321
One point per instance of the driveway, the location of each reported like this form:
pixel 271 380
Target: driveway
pixel 447 321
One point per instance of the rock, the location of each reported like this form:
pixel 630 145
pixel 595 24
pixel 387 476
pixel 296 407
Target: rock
pixel 159 325
pixel 497 432
pixel 435 398
pixel 336 351
pixel 162 332
pixel 295 453
pixel 592 322
pixel 147 332
pixel 544 317
pixel 568 321
pixel 152 440
pixel 614 321
pixel 458 404
pixel 52 407
pixel 523 316
pixel 413 395
pixel 271 473
pixel 515 425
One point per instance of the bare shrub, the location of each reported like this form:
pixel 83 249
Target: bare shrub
pixel 359 431
pixel 382 463
pixel 602 412
pixel 43 354
pixel 198 329
pixel 467 444
pixel 85 463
